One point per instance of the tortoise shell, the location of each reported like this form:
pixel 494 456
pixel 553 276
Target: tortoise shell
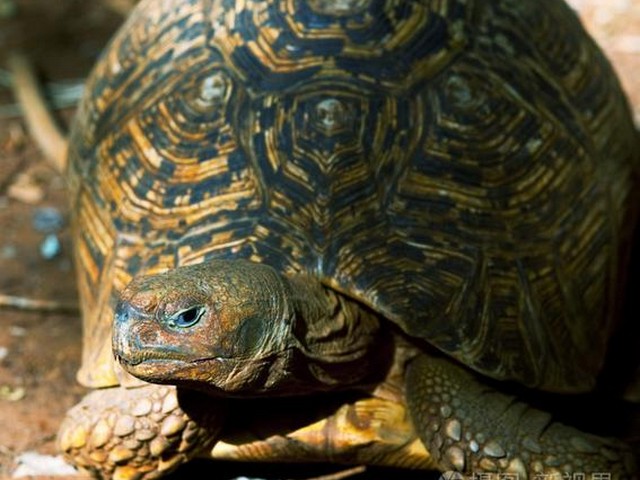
pixel 463 167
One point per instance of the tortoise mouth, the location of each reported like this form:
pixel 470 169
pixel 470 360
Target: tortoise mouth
pixel 148 358
pixel 217 375
pixel 169 369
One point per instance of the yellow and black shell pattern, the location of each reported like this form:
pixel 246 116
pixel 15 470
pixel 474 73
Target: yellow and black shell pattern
pixel 464 167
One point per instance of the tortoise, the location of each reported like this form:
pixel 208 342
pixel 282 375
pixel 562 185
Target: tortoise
pixel 354 231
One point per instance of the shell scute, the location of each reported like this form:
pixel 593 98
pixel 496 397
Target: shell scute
pixel 441 161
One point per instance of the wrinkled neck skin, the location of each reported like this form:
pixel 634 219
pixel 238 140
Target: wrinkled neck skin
pixel 319 341
pixel 257 333
pixel 341 342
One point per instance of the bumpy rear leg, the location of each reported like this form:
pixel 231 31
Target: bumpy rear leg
pixel 138 433
pixel 471 428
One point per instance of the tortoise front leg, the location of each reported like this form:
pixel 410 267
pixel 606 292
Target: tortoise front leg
pixel 472 428
pixel 138 433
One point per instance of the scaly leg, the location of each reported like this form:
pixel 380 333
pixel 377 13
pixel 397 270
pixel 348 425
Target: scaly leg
pixel 471 428
pixel 138 433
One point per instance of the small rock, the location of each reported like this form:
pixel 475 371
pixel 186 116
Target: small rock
pixel 17 137
pixel 33 463
pixel 16 331
pixel 50 247
pixel 47 220
pixel 4 351
pixel 8 252
pixel 12 394
pixel 25 190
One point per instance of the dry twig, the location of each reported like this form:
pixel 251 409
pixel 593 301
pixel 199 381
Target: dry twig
pixel 40 122
pixel 34 305
pixel 122 7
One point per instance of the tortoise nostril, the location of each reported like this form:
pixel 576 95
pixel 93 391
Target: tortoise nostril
pixel 124 312
pixel 124 338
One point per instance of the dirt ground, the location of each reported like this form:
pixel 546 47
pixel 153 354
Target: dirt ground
pixel 39 352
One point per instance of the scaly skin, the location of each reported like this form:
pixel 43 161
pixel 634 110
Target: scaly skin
pixel 470 427
pixel 371 430
pixel 138 433
pixel 370 427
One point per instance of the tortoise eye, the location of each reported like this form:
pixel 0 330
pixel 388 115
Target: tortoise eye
pixel 186 318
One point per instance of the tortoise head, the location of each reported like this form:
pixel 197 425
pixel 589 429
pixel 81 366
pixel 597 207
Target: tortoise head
pixel 221 324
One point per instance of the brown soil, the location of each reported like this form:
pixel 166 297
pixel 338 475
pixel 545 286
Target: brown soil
pixel 39 352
